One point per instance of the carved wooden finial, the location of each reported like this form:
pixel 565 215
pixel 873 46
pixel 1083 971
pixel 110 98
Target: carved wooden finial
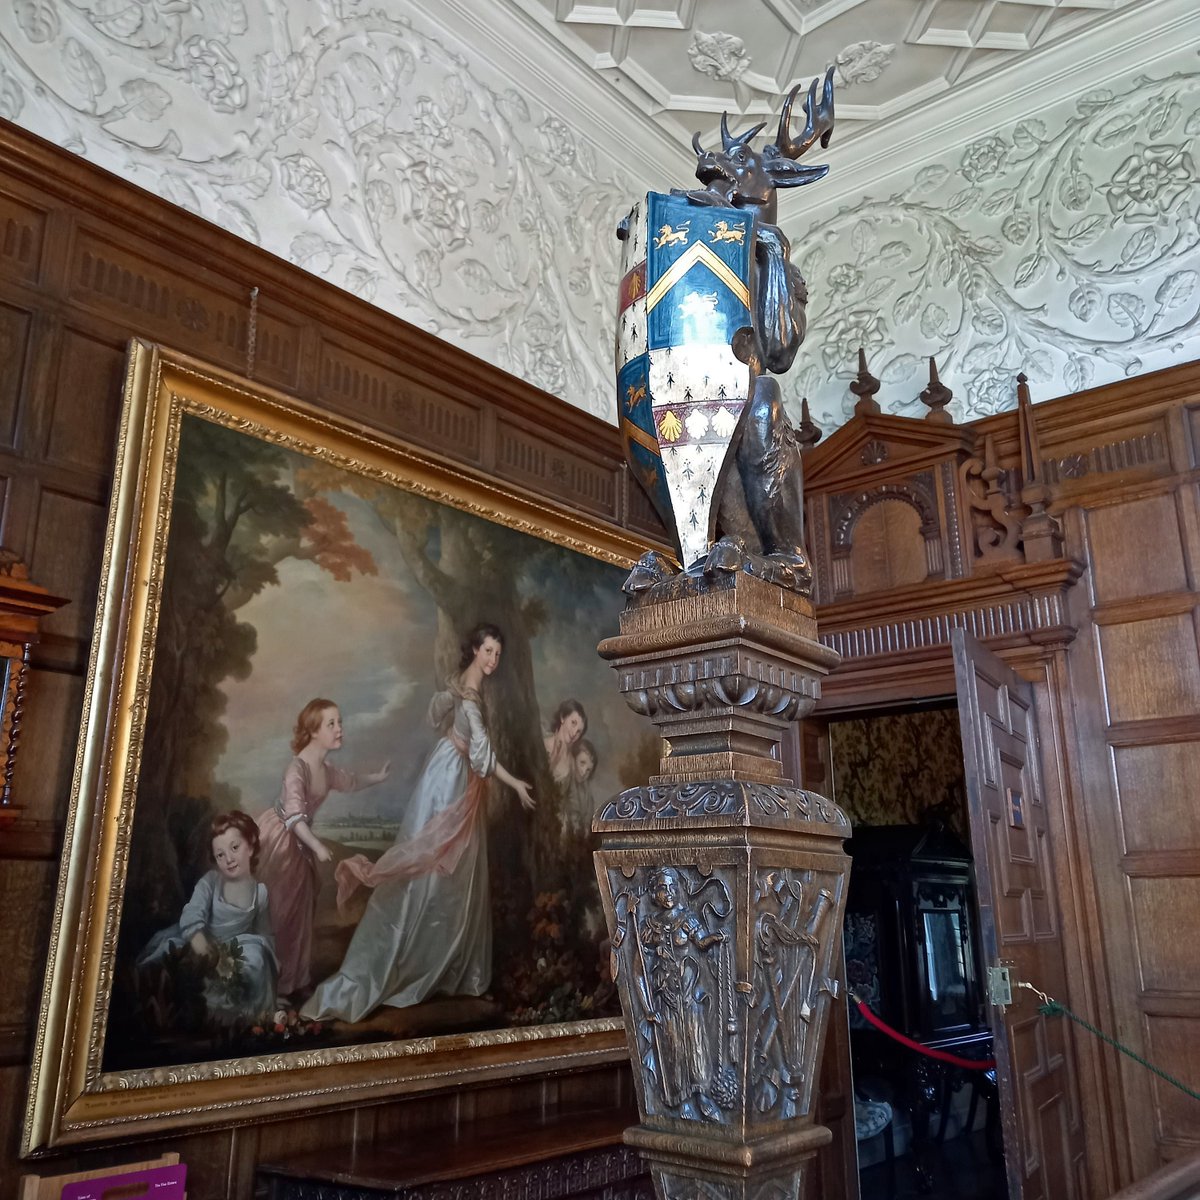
pixel 864 386
pixel 1041 534
pixel 936 396
pixel 809 432
pixel 1031 454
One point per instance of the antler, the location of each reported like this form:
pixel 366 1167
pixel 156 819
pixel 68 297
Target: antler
pixel 818 119
pixel 729 140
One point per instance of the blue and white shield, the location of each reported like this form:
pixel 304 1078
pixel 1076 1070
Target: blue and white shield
pixel 685 292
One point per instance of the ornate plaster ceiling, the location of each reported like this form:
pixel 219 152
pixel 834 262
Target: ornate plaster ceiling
pixel 461 163
pixel 681 63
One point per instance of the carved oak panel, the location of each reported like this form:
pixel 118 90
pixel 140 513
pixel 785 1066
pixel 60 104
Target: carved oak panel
pixel 674 952
pixel 15 324
pixel 22 232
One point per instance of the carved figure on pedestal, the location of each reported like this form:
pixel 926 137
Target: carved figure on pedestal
pixel 684 972
pixel 704 425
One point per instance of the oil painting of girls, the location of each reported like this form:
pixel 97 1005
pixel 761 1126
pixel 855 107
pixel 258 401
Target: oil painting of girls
pixel 428 926
pixel 432 877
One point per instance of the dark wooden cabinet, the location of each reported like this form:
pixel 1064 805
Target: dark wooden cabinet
pixel 912 947
pixel 912 953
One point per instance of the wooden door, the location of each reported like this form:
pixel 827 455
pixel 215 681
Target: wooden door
pixel 1020 925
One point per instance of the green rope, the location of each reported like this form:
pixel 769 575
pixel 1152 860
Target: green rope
pixel 1054 1009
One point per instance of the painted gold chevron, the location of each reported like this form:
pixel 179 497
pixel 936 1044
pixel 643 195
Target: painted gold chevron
pixel 697 252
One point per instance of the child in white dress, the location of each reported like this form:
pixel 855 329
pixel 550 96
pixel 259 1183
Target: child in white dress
pixel 227 926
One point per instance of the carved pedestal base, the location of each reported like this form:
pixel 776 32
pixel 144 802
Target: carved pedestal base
pixel 724 891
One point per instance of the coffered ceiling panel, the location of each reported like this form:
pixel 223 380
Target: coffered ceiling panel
pixel 683 63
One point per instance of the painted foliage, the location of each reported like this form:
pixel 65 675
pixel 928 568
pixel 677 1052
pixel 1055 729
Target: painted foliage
pixel 289 579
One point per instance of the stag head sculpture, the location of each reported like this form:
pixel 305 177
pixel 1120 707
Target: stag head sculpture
pixel 741 177
pixel 711 307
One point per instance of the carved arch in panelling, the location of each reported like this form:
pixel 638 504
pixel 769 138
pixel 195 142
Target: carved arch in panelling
pixel 886 536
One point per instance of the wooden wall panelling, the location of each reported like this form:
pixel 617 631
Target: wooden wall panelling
pixel 16 328
pixel 1124 431
pixel 1120 532
pixel 898 649
pixel 1171 1039
pixel 1141 717
pixel 85 263
pixel 22 236
pixel 179 279
pixel 1112 963
pixel 87 362
pixel 1103 1105
pixel 376 387
pixel 883 505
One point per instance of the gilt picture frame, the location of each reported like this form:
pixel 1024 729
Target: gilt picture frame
pixel 264 559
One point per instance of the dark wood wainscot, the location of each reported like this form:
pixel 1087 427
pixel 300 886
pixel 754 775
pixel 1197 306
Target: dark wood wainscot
pixel 568 1156
pixel 1066 539
pixel 86 263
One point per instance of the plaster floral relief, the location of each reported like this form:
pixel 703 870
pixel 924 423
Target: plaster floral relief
pixel 862 62
pixel 719 55
pixel 355 143
pixel 1064 245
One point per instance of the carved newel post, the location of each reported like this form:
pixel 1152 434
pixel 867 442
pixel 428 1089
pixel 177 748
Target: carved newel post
pixel 724 887
pixel 723 882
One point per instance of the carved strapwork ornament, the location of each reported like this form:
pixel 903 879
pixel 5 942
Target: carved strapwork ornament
pixel 1041 534
pixel 994 507
pixel 956 525
pixel 23 605
pixel 894 502
pixel 724 888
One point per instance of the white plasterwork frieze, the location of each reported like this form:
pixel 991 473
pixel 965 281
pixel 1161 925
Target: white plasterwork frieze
pixel 355 143
pixel 1065 245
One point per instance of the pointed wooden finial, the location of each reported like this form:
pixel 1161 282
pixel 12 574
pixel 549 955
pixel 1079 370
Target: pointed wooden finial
pixel 936 396
pixel 1041 533
pixel 809 433
pixel 864 386
pixel 1031 454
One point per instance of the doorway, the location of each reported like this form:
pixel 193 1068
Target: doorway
pixel 923 1127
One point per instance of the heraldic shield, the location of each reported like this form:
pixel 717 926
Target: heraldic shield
pixel 685 293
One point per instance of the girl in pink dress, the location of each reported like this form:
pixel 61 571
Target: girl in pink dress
pixel 290 850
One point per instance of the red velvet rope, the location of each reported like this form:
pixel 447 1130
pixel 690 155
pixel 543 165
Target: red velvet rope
pixel 968 1064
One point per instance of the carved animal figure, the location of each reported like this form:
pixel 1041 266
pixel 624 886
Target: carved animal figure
pixel 671 237
pixel 761 513
pixel 723 233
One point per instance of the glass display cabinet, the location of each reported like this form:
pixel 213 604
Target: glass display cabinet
pixel 912 953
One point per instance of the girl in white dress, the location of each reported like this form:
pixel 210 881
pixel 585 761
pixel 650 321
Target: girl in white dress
pixel 427 928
